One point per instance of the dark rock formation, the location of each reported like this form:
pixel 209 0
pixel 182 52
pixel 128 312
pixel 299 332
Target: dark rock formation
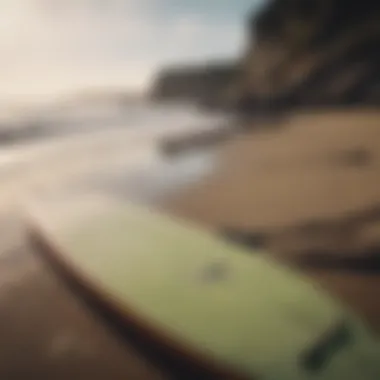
pixel 312 53
pixel 300 54
pixel 205 85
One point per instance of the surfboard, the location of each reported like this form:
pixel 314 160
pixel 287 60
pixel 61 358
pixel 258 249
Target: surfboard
pixel 232 312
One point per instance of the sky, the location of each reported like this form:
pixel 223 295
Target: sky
pixel 51 47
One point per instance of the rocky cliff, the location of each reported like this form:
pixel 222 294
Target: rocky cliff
pixel 300 54
pixel 312 53
pixel 203 84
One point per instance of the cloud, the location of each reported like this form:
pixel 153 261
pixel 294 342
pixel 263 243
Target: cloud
pixel 52 46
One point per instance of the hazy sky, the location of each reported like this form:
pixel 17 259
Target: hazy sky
pixel 53 46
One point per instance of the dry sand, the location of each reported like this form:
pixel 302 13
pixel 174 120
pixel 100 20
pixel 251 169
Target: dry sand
pixel 316 168
pixel 308 190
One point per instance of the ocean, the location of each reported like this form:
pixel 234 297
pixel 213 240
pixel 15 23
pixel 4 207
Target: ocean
pixel 104 147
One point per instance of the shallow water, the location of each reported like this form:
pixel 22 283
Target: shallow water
pixel 76 119
pixel 154 178
pixel 115 155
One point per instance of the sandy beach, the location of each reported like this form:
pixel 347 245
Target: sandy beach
pixel 308 191
pixel 290 185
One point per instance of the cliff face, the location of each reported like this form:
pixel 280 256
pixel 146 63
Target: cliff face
pixel 300 54
pixel 205 85
pixel 308 53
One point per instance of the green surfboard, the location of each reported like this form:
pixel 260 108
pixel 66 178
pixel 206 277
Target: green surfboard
pixel 234 309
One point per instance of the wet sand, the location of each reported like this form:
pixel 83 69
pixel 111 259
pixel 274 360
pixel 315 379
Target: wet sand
pixel 47 330
pixel 47 333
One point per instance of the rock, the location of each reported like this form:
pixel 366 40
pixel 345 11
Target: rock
pixel 311 54
pixel 206 85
